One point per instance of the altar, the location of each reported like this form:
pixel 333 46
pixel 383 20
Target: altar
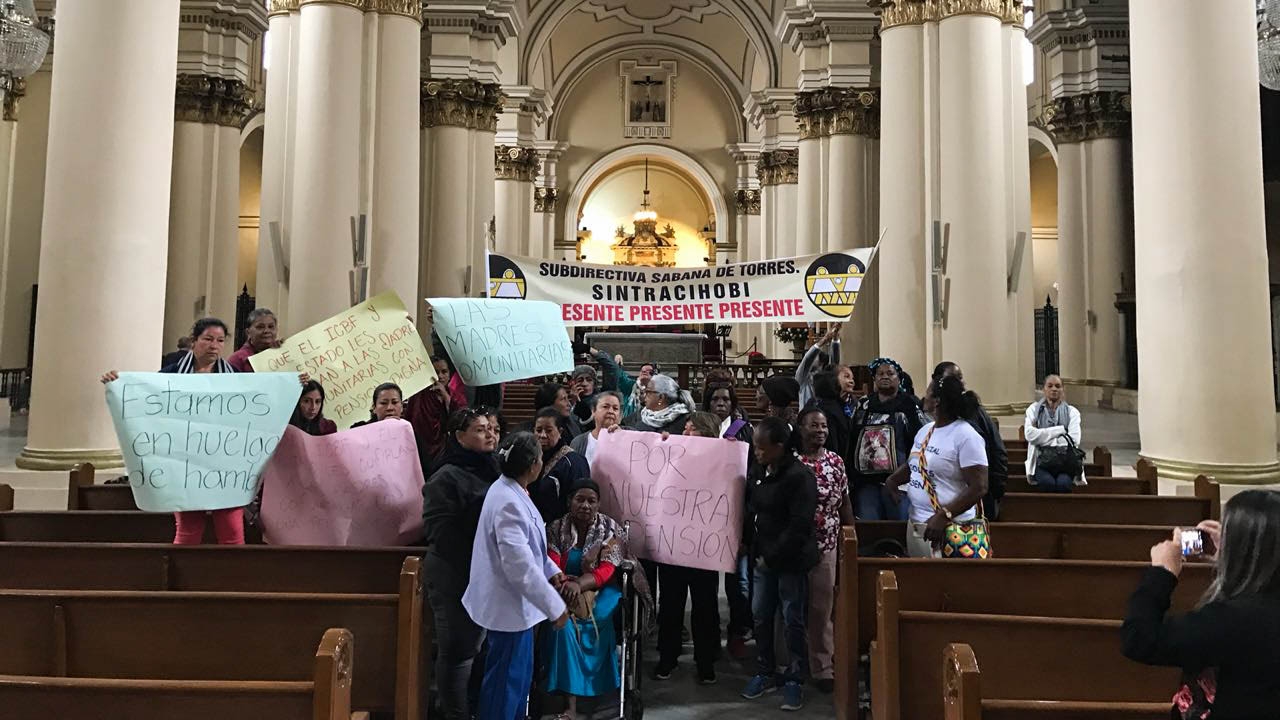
pixel 666 349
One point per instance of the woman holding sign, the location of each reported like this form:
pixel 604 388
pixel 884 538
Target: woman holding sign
pixel 666 408
pixel 512 576
pixel 209 335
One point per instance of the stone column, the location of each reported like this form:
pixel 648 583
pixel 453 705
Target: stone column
pixel 454 186
pixel 1021 362
pixel 903 274
pixel 102 260
pixel 271 290
pixel 855 123
pixel 778 172
pixel 746 227
pixel 204 242
pixel 393 205
pixel 1108 203
pixel 1071 258
pixel 812 119
pixel 546 222
pixel 1201 255
pixel 973 184
pixel 326 163
pixel 514 169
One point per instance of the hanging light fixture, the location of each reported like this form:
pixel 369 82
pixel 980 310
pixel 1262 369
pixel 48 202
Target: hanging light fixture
pixel 23 42
pixel 1269 44
pixel 646 211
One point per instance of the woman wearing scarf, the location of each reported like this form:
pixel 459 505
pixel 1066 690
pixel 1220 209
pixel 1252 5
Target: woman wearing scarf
pixel 666 408
pixel 562 468
pixel 883 427
pixel 451 499
pixel 587 546
pixel 1050 423
pixel 209 335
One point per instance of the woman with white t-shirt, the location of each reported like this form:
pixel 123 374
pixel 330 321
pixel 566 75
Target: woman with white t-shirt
pixel 955 460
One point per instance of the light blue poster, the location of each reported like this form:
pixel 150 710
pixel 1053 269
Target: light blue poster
pixel 494 341
pixel 199 441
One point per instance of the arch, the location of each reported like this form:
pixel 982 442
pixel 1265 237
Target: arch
pixel 755 24
pixel 1037 134
pixel 254 123
pixel 600 52
pixel 613 159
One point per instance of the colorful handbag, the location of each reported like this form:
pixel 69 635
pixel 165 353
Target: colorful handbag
pixel 968 539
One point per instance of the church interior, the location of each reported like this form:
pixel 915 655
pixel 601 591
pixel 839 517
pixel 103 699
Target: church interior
pixel 1082 188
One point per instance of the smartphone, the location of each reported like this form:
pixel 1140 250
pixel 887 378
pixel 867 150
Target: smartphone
pixel 1192 543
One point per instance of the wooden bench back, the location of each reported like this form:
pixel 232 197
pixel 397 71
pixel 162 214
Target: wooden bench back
pixel 218 636
pixel 1147 482
pixel 97 526
pixel 1099 463
pixel 325 696
pixel 1058 541
pixel 1024 658
pixel 963 698
pixel 212 568
pixel 6 497
pixel 1115 509
pixel 84 494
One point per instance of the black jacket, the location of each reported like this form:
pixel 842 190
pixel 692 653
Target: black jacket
pixel 997 462
pixel 1239 637
pixel 780 512
pixel 838 428
pixel 675 427
pixel 451 502
pixel 550 493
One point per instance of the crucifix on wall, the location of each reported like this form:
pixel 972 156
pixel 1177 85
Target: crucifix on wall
pixel 647 94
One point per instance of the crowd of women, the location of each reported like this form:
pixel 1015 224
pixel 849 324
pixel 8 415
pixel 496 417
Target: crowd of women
pixel 522 567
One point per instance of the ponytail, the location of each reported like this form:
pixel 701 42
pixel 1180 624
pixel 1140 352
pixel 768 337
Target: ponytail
pixel 954 400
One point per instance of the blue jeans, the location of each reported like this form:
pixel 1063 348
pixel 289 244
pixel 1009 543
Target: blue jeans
pixel 791 591
pixel 871 502
pixel 737 588
pixel 508 674
pixel 1047 482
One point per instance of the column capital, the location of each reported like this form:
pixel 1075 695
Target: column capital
pixel 282 7
pixel 747 202
pixel 1086 49
pixel 12 97
pixel 1090 116
pixel 917 12
pixel 544 200
pixel 461 103
pixel 209 99
pixel 779 167
pixel 838 111
pixel 512 162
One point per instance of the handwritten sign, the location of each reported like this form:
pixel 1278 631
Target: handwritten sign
pixel 199 441
pixel 493 341
pixel 360 487
pixel 683 496
pixel 354 352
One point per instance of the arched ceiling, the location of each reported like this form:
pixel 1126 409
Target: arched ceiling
pixel 734 37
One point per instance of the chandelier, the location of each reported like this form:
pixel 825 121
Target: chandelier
pixel 23 42
pixel 1269 44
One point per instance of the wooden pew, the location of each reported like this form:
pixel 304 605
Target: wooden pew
pixel 83 494
pixel 1147 482
pixel 1026 658
pixel 100 526
pixel 219 636
pixel 6 497
pixel 201 568
pixel 1055 541
pixel 963 698
pixel 1113 509
pixel 1100 463
pixel 1049 588
pixel 325 696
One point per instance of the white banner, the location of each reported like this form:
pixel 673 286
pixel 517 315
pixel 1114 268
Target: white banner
pixel 802 289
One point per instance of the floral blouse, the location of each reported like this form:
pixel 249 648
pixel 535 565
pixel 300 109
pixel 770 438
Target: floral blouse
pixel 833 486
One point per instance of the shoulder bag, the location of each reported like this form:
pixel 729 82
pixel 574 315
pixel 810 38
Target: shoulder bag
pixel 1061 459
pixel 970 539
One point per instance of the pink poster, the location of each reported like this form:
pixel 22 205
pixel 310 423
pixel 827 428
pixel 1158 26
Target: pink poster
pixel 359 487
pixel 683 496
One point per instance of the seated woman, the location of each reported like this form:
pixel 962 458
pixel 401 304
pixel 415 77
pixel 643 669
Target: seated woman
pixel 562 468
pixel 1052 428
pixel 308 416
pixel 586 544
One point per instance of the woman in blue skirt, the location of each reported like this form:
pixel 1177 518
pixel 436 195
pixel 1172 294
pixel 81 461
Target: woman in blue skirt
pixel 582 657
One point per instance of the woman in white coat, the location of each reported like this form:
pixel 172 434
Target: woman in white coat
pixel 1049 423
pixel 514 583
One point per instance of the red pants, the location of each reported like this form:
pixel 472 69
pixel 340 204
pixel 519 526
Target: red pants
pixel 228 525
